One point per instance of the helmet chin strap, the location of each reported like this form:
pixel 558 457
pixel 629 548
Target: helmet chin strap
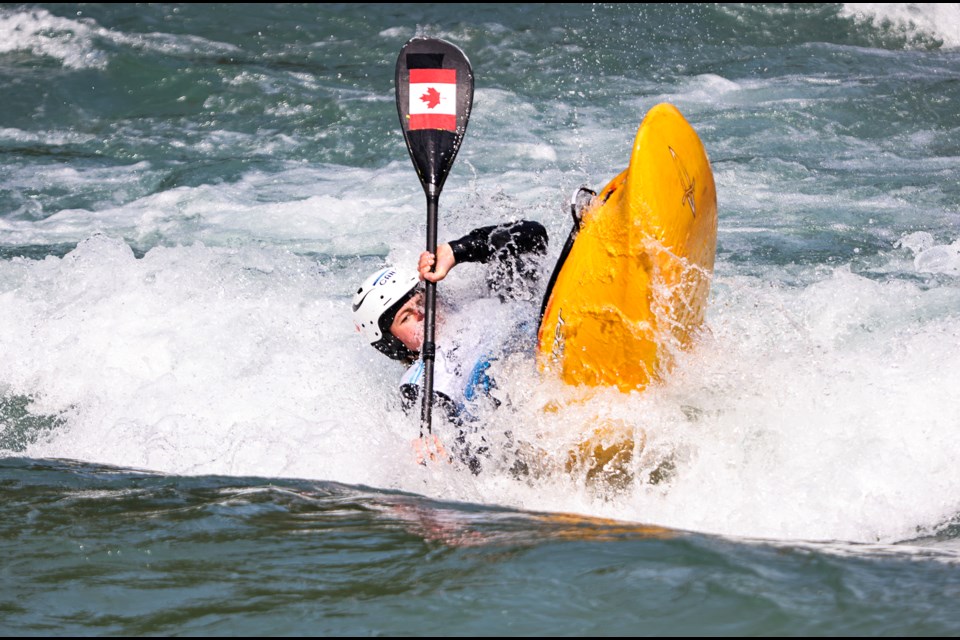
pixel 391 346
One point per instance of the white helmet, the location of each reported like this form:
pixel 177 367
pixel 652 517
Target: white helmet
pixel 376 303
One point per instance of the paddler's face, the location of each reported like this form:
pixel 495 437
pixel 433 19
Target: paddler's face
pixel 408 323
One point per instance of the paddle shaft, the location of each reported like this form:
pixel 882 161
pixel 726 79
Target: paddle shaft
pixel 429 348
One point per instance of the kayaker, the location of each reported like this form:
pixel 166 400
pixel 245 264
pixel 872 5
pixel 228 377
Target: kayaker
pixel 388 312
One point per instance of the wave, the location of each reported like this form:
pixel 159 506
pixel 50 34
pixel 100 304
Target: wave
pixel 917 23
pixel 76 43
pixel 817 411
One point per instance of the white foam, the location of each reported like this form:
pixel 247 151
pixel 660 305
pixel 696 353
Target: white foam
pixel 104 185
pixel 318 209
pixel 74 41
pixel 43 34
pixel 706 88
pixel 191 360
pixel 940 20
pixel 824 411
pixel 930 257
pixel 45 137
pixel 396 32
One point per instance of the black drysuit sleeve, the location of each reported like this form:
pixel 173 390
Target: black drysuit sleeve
pixel 514 249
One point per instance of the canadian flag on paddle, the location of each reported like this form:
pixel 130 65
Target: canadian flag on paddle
pixel 433 99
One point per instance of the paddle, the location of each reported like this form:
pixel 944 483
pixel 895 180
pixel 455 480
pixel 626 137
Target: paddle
pixel 434 97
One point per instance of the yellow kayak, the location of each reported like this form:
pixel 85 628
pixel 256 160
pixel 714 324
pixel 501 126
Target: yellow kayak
pixel 631 287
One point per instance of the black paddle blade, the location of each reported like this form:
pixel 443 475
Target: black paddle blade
pixel 434 97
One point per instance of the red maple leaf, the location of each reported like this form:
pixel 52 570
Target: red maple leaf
pixel 431 97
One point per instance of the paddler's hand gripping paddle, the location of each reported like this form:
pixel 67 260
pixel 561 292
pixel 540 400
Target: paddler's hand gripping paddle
pixel 434 97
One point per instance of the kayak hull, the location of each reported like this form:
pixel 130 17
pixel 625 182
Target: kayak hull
pixel 633 288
